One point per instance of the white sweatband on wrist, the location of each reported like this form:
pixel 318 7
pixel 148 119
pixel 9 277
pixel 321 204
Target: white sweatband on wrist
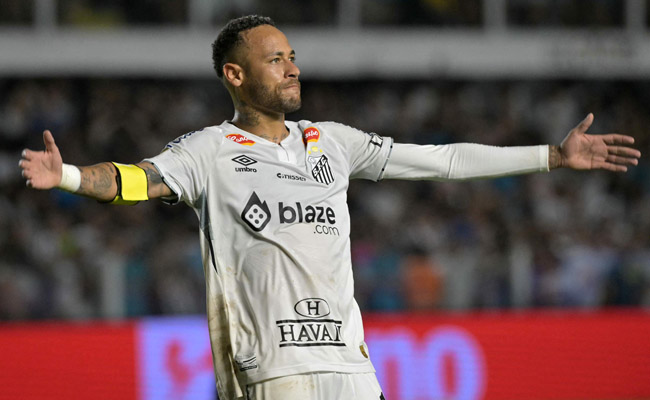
pixel 70 178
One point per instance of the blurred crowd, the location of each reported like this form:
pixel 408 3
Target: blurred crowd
pixel 562 239
pixel 440 13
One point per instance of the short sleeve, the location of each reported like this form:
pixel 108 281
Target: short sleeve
pixel 367 153
pixel 184 163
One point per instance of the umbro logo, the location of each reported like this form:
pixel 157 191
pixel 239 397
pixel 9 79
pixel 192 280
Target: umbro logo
pixel 245 161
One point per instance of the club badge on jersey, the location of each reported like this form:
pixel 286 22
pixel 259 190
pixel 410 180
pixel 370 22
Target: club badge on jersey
pixel 320 166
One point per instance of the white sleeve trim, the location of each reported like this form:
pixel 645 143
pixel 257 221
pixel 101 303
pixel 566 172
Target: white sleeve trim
pixel 463 161
pixel 543 156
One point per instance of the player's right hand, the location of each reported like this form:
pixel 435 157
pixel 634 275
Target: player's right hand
pixel 42 169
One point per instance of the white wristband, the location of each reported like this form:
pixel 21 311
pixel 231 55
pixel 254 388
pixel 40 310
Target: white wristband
pixel 70 178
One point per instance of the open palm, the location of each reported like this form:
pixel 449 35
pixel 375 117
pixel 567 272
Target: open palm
pixel 42 169
pixel 583 151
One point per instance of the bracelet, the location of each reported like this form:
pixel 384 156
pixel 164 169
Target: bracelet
pixel 70 178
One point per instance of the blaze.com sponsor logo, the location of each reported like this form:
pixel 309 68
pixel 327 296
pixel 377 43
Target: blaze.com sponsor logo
pixel 257 214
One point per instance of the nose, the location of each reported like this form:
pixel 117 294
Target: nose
pixel 292 70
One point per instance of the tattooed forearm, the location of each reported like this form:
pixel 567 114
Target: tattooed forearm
pixel 103 179
pixel 98 181
pixel 554 157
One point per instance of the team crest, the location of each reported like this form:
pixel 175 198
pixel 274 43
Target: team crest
pixel 320 166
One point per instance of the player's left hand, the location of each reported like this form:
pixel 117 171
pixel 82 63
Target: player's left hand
pixel 582 151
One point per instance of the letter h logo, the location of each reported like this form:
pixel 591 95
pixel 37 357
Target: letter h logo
pixel 313 306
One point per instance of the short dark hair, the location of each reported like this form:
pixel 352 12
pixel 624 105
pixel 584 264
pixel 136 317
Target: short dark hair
pixel 229 38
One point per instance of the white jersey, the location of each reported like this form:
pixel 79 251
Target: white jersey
pixel 275 234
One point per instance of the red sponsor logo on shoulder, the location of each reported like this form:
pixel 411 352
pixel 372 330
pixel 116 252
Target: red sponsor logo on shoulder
pixel 311 134
pixel 241 139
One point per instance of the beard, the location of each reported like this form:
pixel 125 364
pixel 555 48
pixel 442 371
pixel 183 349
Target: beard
pixel 274 99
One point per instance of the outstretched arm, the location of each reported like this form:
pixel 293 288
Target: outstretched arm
pixel 45 170
pixel 460 161
pixel 580 150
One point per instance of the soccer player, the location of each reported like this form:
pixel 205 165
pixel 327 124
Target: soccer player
pixel 270 197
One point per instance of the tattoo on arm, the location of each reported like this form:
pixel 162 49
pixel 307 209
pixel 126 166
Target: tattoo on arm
pixel 98 182
pixel 554 157
pixel 156 186
pixel 153 176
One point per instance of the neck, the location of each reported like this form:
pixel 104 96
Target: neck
pixel 268 126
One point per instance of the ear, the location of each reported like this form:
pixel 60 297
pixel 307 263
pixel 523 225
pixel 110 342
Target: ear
pixel 233 74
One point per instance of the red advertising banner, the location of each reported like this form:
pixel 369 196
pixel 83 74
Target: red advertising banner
pixel 531 355
pixel 501 355
pixel 67 361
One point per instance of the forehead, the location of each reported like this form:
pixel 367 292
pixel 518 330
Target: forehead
pixel 264 40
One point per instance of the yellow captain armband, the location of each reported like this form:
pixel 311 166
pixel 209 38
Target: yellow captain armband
pixel 131 184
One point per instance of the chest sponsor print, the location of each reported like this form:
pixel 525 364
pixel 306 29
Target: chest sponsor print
pixel 291 177
pixel 257 214
pixel 241 139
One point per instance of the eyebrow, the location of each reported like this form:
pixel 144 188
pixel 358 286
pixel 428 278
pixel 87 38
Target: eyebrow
pixel 281 53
